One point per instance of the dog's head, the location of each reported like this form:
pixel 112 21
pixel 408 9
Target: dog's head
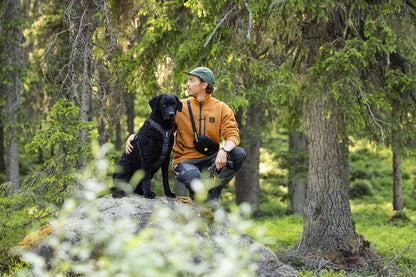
pixel 166 106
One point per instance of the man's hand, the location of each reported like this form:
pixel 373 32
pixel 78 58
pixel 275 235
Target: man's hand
pixel 221 159
pixel 129 146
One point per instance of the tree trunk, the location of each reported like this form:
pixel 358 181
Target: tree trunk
pixel 130 112
pixel 328 226
pixel 87 76
pixel 12 49
pixel 102 131
pixel 397 182
pixel 118 142
pixel 397 162
pixel 2 161
pixel 413 194
pixel 328 223
pixel 247 183
pixel 298 170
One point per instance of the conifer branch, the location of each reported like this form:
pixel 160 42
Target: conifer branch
pixel 218 25
pixel 250 18
pixel 374 119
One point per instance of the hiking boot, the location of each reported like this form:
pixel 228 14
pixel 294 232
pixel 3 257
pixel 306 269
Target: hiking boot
pixel 214 194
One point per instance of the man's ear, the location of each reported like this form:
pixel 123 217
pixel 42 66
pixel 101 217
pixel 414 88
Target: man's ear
pixel 178 104
pixel 154 103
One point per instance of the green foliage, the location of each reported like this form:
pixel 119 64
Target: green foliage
pixel 60 136
pixel 176 36
pixel 40 193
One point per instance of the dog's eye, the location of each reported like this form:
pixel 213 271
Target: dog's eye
pixel 163 105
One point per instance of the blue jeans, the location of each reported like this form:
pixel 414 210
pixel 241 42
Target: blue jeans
pixel 187 171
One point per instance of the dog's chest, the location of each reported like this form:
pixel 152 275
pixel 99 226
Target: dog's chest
pixel 152 143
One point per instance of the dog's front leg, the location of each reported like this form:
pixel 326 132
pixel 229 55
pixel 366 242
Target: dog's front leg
pixel 147 192
pixel 165 177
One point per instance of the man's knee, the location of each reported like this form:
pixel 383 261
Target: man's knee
pixel 239 153
pixel 185 173
pixel 238 156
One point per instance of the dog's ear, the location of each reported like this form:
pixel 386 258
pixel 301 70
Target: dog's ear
pixel 178 104
pixel 154 103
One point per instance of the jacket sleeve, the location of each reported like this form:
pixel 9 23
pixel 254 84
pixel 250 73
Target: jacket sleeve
pixel 229 126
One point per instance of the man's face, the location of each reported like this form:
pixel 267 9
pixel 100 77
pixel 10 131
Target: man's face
pixel 195 87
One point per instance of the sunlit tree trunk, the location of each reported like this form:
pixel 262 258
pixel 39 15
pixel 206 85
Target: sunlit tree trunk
pixel 87 75
pixel 12 50
pixel 2 161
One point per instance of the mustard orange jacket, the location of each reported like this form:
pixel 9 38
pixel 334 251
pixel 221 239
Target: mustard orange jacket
pixel 213 119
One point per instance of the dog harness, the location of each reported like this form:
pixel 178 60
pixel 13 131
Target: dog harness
pixel 166 135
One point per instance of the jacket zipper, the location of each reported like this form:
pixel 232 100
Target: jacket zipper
pixel 200 117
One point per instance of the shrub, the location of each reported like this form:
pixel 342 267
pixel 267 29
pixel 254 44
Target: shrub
pixel 360 188
pixel 360 174
pixel 40 193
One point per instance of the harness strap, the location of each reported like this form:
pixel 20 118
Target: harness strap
pixel 166 135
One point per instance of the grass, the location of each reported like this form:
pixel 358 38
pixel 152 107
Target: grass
pixel 390 240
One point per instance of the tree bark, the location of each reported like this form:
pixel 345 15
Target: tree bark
pixel 328 223
pixel 87 76
pixel 103 132
pixel 118 143
pixel 2 161
pixel 247 183
pixel 130 112
pixel 397 162
pixel 413 194
pixel 12 48
pixel 397 182
pixel 298 170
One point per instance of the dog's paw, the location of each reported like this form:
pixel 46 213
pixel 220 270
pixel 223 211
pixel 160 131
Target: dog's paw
pixel 117 193
pixel 171 195
pixel 149 195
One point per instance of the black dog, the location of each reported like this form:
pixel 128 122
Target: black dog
pixel 151 148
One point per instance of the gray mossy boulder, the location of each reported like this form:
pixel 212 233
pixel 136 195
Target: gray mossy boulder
pixel 172 235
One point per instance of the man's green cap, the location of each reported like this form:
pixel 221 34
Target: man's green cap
pixel 203 73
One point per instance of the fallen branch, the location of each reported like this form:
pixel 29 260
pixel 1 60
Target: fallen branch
pixel 322 263
pixel 401 254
